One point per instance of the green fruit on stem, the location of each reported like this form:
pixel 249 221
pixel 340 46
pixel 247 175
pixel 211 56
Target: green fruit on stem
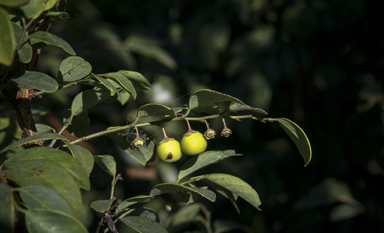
pixel 169 150
pixel 193 143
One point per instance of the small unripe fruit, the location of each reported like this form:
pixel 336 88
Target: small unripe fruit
pixel 138 142
pixel 210 134
pixel 193 143
pixel 169 150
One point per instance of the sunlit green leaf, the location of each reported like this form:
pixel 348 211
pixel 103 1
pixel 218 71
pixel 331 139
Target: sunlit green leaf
pixel 7 38
pixel 65 160
pixel 13 3
pixel 137 79
pixel 235 185
pixel 298 137
pixel 46 221
pixel 48 174
pixel 105 83
pixel 82 155
pixel 102 205
pixel 39 197
pixel 6 209
pixel 176 188
pixel 33 80
pixel 50 39
pixel 74 68
pixel 202 160
pixel 38 137
pixel 35 7
pixel 123 81
pixel 143 225
pixel 107 163
pixel 155 109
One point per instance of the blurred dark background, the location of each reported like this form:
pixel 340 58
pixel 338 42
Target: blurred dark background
pixel 318 63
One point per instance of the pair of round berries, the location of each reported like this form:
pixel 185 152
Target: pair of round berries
pixel 192 143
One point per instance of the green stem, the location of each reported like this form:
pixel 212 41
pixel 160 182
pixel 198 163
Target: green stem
pixel 65 126
pixel 25 28
pixel 125 127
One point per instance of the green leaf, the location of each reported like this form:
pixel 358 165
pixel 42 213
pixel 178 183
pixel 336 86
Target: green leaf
pixel 24 54
pixel 6 209
pixel 79 124
pixel 186 214
pixel 137 79
pixel 298 137
pixel 207 98
pixel 235 185
pixel 132 201
pixel 74 68
pixel 35 7
pixel 143 225
pixel 57 17
pixel 7 38
pixel 82 155
pixel 39 197
pixel 38 137
pixel 154 109
pixel 13 3
pixel 4 123
pixel 33 80
pixel 176 188
pixel 142 154
pixel 123 81
pixel 123 96
pixel 51 175
pixel 42 128
pixel 107 163
pixel 105 83
pixel 62 158
pixel 46 221
pixel 232 197
pixel 202 160
pixel 88 99
pixel 102 205
pixel 344 211
pixel 50 39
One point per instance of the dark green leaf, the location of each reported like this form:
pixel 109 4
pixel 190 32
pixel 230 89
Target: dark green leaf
pixel 105 83
pixel 7 38
pixel 51 175
pixel 236 186
pixel 132 201
pixel 123 81
pixel 50 39
pixel 74 68
pixel 207 98
pixel 47 221
pixel 6 209
pixel 33 80
pixel 142 154
pixel 82 155
pixel 298 137
pixel 57 17
pixel 143 225
pixel 202 160
pixel 137 79
pixel 38 137
pixel 344 211
pixel 123 96
pixel 107 163
pixel 186 214
pixel 39 197
pixel 35 7
pixel 13 3
pixel 149 213
pixel 4 123
pixel 88 99
pixel 62 158
pixel 176 188
pixel 79 124
pixel 154 109
pixel 24 54
pixel 232 197
pixel 102 205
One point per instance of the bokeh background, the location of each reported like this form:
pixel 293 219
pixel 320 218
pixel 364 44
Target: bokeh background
pixel 316 62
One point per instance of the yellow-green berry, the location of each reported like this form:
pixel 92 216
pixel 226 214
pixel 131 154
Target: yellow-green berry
pixel 193 143
pixel 169 150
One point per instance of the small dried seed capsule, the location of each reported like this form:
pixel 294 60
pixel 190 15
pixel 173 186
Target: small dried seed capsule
pixel 226 132
pixel 210 134
pixel 138 142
